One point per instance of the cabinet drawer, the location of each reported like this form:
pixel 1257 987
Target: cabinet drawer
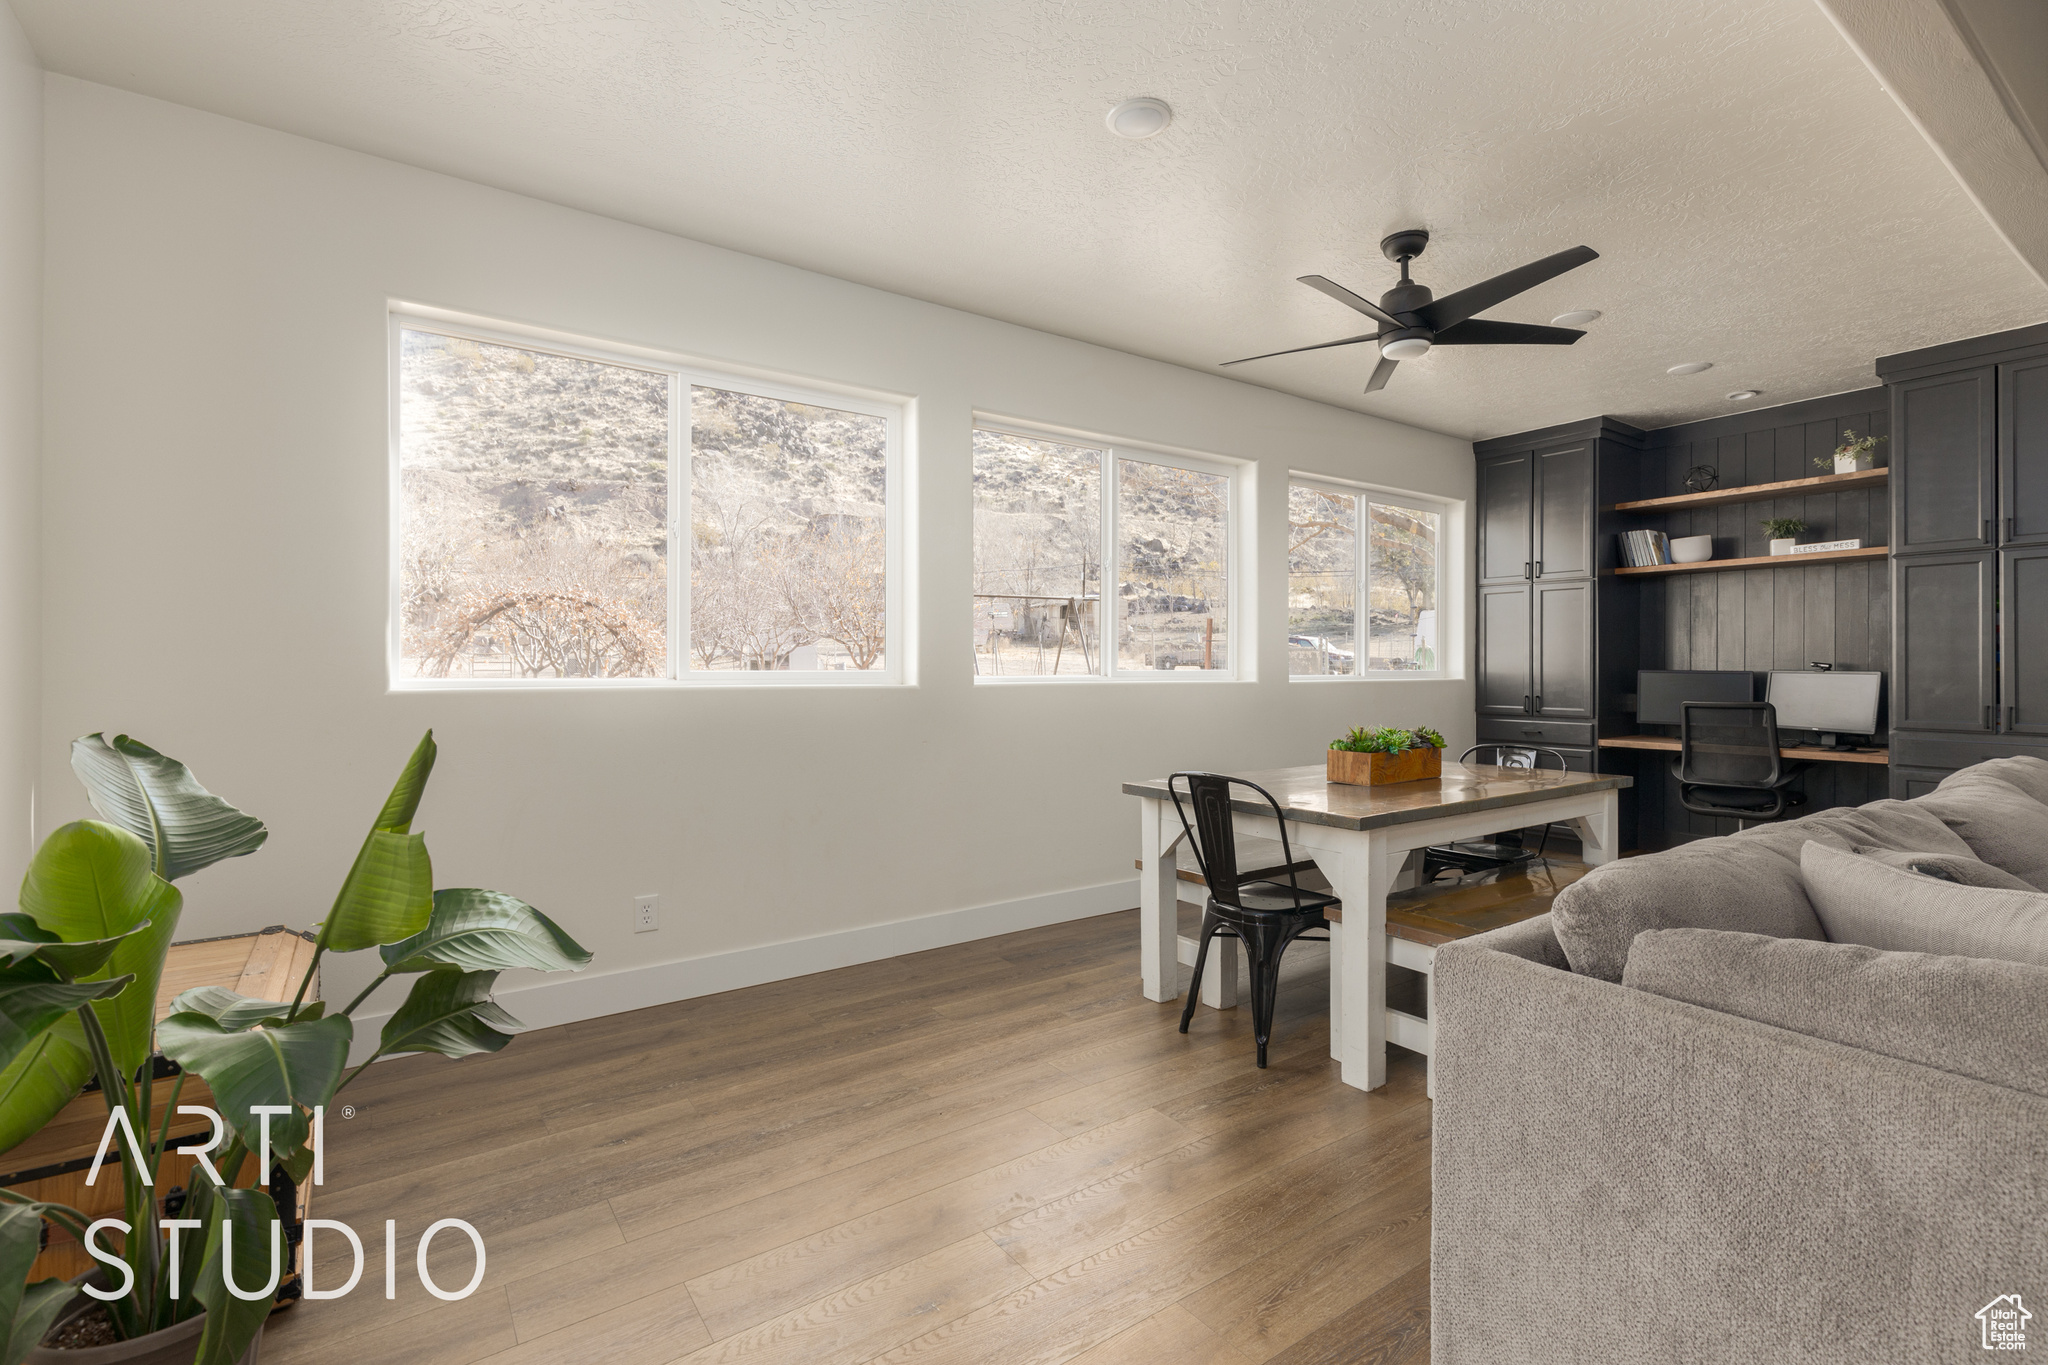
pixel 1950 752
pixel 1546 732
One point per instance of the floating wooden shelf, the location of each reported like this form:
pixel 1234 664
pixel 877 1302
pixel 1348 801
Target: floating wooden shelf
pixel 1761 561
pixel 1760 492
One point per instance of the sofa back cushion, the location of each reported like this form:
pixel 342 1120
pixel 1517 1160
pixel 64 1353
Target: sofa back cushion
pixel 2030 775
pixel 2000 822
pixel 1972 1016
pixel 1861 900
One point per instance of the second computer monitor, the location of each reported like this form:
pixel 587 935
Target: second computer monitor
pixel 1660 692
pixel 1835 703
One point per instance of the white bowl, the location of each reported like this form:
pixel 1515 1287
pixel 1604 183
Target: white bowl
pixel 1692 549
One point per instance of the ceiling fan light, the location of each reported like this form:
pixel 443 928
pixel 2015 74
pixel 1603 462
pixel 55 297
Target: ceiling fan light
pixel 1577 319
pixel 1405 348
pixel 1139 118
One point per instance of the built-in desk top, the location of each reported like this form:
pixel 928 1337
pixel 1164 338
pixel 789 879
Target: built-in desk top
pixel 1805 752
pixel 1306 794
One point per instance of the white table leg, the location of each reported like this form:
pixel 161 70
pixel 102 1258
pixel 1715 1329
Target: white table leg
pixel 1159 831
pixel 1336 992
pixel 1219 976
pixel 1600 835
pixel 1361 877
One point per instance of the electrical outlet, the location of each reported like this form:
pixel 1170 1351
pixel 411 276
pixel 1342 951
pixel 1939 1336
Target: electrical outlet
pixel 646 914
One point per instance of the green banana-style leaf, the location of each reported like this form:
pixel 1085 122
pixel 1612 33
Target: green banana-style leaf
pixel 157 799
pixel 474 930
pixel 91 881
pixel 297 1064
pixel 404 801
pixel 21 939
pixel 232 1323
pixel 389 894
pixel 45 1077
pixel 451 1013
pixel 26 1310
pixel 236 1012
pixel 30 1002
pixel 41 1302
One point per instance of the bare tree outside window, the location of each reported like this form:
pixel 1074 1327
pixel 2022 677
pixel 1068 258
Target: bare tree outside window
pixel 1172 567
pixel 1037 556
pixel 1322 581
pixel 1402 590
pixel 788 534
pixel 533 513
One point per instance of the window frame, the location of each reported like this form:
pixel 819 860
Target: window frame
pixel 1113 450
pixel 1365 494
pixel 683 372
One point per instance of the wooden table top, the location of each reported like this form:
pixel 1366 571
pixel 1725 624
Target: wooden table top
pixel 1811 753
pixel 1307 795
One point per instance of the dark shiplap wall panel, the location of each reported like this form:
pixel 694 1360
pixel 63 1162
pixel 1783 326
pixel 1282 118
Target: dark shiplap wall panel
pixel 1761 619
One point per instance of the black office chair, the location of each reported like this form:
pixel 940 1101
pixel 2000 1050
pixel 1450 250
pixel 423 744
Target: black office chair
pixel 1728 763
pixel 1265 916
pixel 1483 855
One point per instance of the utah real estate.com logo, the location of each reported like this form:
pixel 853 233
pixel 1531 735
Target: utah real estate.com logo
pixel 2004 1323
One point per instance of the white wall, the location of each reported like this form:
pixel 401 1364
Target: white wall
pixel 21 291
pixel 216 503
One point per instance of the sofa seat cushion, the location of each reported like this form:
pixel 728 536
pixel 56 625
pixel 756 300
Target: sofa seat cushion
pixel 1962 868
pixel 2001 823
pixel 1973 1016
pixel 1861 900
pixel 1713 884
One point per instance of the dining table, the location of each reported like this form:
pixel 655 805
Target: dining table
pixel 1362 839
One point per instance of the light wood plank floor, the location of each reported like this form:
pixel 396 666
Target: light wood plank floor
pixel 997 1152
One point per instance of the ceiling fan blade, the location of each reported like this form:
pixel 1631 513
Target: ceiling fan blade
pixel 1319 346
pixel 1455 308
pixel 1380 375
pixel 1350 300
pixel 1481 332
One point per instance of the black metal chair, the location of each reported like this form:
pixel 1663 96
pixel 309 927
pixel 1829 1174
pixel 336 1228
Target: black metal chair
pixel 1728 763
pixel 1487 856
pixel 1265 916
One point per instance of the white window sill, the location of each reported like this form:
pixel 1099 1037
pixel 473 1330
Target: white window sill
pixel 1390 676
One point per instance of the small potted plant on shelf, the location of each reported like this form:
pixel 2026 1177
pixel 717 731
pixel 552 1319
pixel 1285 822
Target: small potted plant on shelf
pixel 1853 455
pixel 1784 533
pixel 80 967
pixel 1373 758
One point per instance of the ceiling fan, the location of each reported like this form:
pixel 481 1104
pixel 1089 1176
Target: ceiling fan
pixel 1411 320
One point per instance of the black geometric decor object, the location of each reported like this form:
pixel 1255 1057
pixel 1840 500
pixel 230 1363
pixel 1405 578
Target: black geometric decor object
pixel 1701 478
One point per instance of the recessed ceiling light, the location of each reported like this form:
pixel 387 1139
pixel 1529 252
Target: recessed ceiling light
pixel 1578 319
pixel 1691 367
pixel 1744 395
pixel 1139 118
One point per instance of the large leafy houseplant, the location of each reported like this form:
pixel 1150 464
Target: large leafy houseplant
pixel 80 966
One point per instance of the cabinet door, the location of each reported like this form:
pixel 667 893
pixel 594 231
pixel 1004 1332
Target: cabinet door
pixel 1943 643
pixel 2023 452
pixel 1908 783
pixel 2023 623
pixel 1564 650
pixel 1505 491
pixel 1943 488
pixel 1504 688
pixel 1564 512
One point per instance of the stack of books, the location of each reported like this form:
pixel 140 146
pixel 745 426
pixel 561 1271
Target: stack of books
pixel 1639 549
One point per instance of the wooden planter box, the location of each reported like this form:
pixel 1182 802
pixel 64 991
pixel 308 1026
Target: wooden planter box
pixel 1377 770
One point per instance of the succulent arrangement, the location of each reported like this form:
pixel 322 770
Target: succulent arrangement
pixel 1387 740
pixel 1783 528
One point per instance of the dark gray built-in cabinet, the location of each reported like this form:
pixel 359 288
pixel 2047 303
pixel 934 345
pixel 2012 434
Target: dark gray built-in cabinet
pixel 1969 559
pixel 1554 633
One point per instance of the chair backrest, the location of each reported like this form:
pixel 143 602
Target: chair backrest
pixel 1212 833
pixel 1513 756
pixel 1728 744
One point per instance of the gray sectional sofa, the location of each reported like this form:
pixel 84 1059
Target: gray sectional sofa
pixel 1676 1123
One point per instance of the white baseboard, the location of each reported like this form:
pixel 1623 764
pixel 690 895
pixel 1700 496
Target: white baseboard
pixel 567 999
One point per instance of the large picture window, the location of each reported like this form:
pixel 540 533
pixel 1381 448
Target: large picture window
pixel 1044 528
pixel 569 514
pixel 1363 581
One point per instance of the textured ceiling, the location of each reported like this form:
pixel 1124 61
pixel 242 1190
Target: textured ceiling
pixel 1757 199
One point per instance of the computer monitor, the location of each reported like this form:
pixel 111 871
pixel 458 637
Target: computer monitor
pixel 1834 703
pixel 1660 691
